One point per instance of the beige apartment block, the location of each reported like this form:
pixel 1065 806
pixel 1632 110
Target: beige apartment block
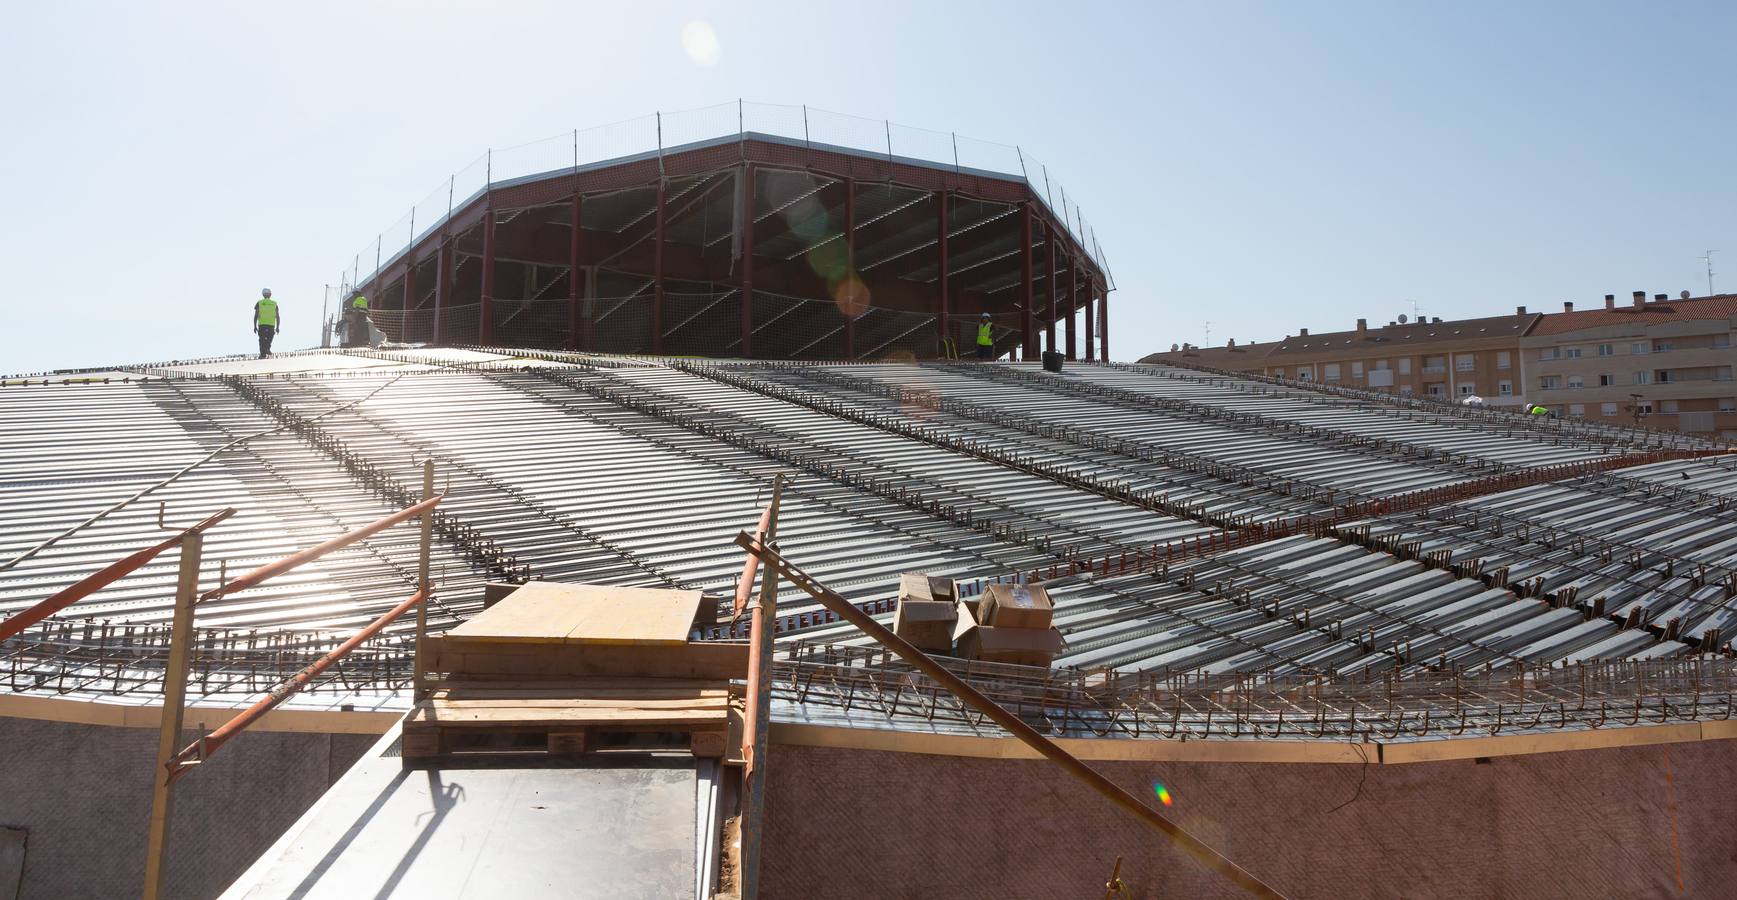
pixel 1664 363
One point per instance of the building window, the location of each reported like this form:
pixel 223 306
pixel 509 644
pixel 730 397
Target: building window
pixel 1638 348
pixel 1435 364
pixel 1466 389
pixel 1668 406
pixel 1332 372
pixel 1381 365
pixel 1643 378
pixel 1405 366
pixel 1502 361
pixel 1664 376
pixel 1606 380
pixel 1663 346
pixel 1438 390
pixel 1572 353
pixel 1356 370
pixel 1721 341
pixel 1549 353
pixel 1550 382
pixel 1465 363
pixel 1304 374
pixel 1728 404
pixel 1505 388
pixel 1607 409
pixel 1575 381
pixel 1577 409
pixel 1722 373
pixel 1606 349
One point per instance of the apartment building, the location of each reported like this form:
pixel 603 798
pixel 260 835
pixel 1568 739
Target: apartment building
pixel 1663 363
pixel 1434 358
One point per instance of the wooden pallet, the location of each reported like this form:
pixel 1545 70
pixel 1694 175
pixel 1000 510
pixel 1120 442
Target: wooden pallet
pixel 566 717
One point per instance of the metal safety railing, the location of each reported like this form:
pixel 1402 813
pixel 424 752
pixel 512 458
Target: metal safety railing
pixel 661 132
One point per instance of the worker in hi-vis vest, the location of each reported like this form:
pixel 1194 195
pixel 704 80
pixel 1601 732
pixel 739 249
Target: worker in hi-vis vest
pixel 356 321
pixel 265 321
pixel 1539 411
pixel 985 338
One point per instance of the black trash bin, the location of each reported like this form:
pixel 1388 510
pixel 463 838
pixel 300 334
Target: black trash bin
pixel 1052 360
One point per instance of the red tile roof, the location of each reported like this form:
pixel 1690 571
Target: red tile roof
pixel 1719 306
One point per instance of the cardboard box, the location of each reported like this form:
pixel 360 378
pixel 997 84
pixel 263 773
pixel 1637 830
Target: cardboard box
pixel 1019 646
pixel 1015 606
pixel 925 588
pixel 926 623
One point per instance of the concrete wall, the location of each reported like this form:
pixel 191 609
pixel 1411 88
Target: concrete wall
pixel 1579 824
pixel 83 792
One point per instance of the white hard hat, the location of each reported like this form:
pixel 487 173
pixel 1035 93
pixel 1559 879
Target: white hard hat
pixel 985 315
pixel 265 292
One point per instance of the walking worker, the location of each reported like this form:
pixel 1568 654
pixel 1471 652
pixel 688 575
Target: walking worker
pixel 265 321
pixel 985 338
pixel 356 321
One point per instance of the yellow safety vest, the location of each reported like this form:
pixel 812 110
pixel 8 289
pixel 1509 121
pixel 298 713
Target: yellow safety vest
pixel 359 303
pixel 1540 411
pixel 985 338
pixel 265 312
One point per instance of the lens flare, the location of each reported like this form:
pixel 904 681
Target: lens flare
pixel 1163 793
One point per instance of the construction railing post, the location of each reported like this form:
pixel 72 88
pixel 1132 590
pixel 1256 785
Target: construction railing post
pixel 1049 286
pixel 420 667
pixel 1103 321
pixel 1091 351
pixel 1073 304
pixel 757 728
pixel 575 275
pixel 174 699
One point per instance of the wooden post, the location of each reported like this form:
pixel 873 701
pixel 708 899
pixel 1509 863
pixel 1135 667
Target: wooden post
pixel 762 613
pixel 174 699
pixel 420 675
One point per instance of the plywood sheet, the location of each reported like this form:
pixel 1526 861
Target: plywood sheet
pixel 547 613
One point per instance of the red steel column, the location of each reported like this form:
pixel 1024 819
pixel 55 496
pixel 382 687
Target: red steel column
pixel 747 226
pixel 1090 352
pixel 442 284
pixel 486 314
pixel 942 326
pixel 1103 323
pixel 409 291
pixel 1049 285
pixel 853 293
pixel 575 277
pixel 1025 334
pixel 1073 303
pixel 657 273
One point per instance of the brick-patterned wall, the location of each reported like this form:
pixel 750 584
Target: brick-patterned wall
pixel 1581 825
pixel 84 794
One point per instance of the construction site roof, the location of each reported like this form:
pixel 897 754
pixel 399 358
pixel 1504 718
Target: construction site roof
pixel 1188 524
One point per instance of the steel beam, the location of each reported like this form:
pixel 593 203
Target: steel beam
pixel 1091 352
pixel 1028 299
pixel 1103 321
pixel 486 313
pixel 1049 285
pixel 745 223
pixel 575 275
pixel 943 328
pixel 657 271
pixel 1073 304
pixel 850 284
pixel 442 285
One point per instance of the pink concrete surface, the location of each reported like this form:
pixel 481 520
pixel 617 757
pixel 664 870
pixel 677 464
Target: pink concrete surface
pixel 1582 824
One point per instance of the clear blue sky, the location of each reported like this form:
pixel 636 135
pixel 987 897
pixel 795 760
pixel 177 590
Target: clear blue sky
pixel 1264 166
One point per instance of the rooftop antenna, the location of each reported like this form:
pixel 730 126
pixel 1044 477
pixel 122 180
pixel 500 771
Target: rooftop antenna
pixel 1208 334
pixel 1708 259
pixel 1416 312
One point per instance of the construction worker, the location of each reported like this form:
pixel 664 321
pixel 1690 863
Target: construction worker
pixel 985 338
pixel 265 321
pixel 356 321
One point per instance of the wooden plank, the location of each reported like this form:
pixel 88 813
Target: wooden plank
pixel 496 718
pixel 547 613
pixel 719 703
pixel 519 662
